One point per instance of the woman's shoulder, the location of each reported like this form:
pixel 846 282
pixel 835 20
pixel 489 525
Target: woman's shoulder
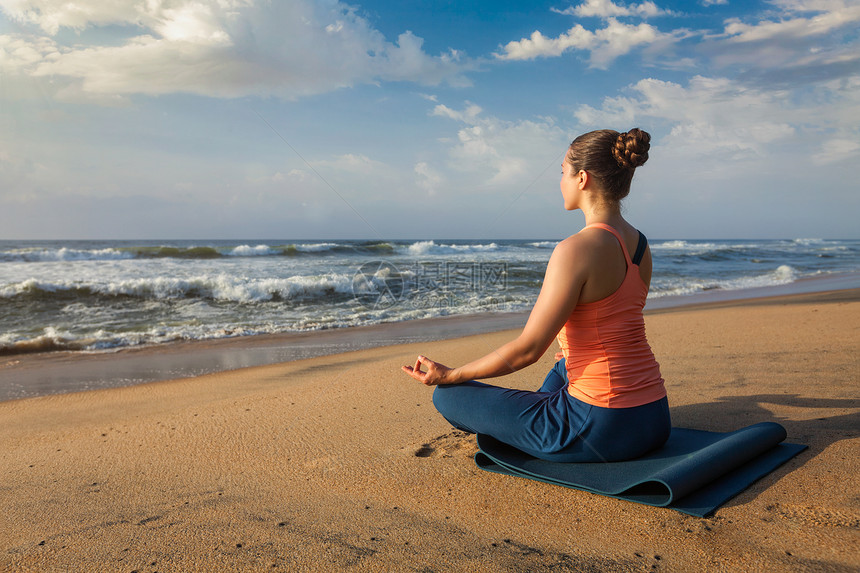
pixel 570 244
pixel 604 239
pixel 586 239
pixel 578 248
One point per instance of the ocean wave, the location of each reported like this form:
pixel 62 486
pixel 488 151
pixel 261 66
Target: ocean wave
pixel 218 288
pixel 51 339
pixel 194 251
pixel 680 251
pixel 678 244
pixel 795 247
pixel 697 249
pixel 62 254
pixel 432 248
pixel 255 251
pixel 808 242
pixel 316 247
pixel 110 336
pixel 56 339
pixel 821 246
pixel 288 250
pixel 783 274
pixel 242 287
pixel 165 252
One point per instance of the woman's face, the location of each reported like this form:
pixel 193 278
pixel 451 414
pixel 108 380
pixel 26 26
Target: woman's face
pixel 569 185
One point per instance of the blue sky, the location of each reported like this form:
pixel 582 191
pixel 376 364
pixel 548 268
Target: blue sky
pixel 297 119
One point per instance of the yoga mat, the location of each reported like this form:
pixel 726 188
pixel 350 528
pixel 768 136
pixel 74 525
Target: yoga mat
pixel 694 472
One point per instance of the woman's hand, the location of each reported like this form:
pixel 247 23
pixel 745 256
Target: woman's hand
pixel 436 373
pixel 559 356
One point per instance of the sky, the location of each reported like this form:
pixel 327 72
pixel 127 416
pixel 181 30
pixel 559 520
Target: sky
pixel 398 119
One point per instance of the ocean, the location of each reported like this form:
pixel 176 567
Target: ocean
pixel 98 296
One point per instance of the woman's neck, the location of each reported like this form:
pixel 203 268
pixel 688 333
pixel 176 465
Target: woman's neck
pixel 603 213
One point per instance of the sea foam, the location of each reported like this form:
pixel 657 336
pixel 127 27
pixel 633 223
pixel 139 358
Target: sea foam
pixel 431 248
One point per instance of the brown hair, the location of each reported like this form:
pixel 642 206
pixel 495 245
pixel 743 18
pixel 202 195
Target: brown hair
pixel 611 158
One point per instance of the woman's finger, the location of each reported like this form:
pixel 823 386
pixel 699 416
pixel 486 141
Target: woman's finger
pixel 431 376
pixel 417 375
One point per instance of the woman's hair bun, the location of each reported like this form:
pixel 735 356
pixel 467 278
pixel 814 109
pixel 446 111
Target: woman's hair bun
pixel 631 148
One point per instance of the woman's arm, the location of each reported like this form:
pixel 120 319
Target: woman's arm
pixel 566 272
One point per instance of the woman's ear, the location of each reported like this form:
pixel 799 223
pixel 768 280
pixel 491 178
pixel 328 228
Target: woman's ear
pixel 583 178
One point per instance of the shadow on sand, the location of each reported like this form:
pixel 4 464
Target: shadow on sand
pixel 817 423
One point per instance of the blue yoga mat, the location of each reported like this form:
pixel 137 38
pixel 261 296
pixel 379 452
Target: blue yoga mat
pixel 694 472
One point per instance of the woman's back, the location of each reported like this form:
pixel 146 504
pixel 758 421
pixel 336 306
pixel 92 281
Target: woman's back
pixel 608 359
pixel 608 264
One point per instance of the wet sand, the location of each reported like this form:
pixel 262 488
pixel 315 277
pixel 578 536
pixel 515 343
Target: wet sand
pixel 340 462
pixel 40 374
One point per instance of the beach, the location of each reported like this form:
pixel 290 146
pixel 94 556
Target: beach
pixel 340 462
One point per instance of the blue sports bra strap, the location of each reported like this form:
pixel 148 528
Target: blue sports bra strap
pixel 640 249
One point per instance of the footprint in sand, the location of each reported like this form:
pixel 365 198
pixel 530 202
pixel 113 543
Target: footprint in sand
pixel 447 445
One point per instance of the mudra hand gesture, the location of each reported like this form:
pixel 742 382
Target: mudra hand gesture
pixel 435 374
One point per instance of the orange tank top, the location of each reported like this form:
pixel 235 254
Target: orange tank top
pixel 609 361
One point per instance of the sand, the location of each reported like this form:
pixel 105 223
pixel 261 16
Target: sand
pixel 341 463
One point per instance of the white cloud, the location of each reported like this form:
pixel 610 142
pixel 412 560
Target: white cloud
pixel 833 16
pixel 835 150
pixel 801 42
pixel 807 40
pixel 497 152
pixel 178 20
pixel 707 3
pixel 21 51
pixel 257 178
pixel 710 115
pixel 192 23
pixel 468 115
pixel 618 39
pixel 218 48
pixel 719 119
pixel 608 9
pixel 427 178
pixel 614 111
pixel 604 45
pixel 538 45
pixel 50 16
pixel 353 163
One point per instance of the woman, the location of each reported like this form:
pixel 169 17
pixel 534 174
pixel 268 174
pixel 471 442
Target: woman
pixel 605 399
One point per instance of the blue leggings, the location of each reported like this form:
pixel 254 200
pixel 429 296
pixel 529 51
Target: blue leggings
pixel 553 425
